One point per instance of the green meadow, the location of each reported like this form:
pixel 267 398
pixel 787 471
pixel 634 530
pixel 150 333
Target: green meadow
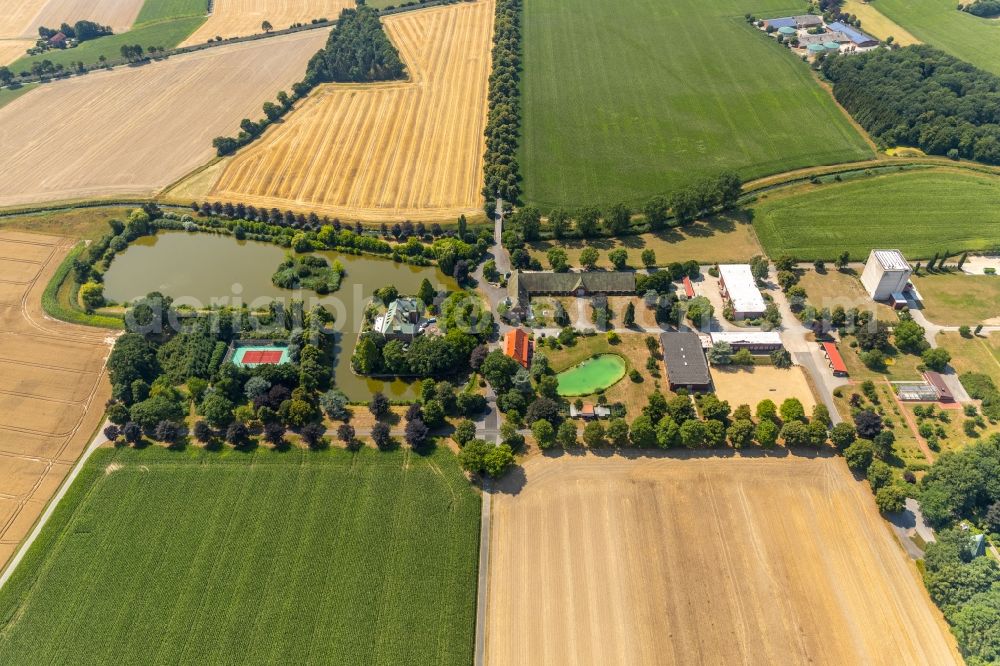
pixel 938 23
pixel 625 100
pixel 918 212
pixel 328 557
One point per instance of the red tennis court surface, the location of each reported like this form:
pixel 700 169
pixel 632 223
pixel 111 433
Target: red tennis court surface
pixel 261 357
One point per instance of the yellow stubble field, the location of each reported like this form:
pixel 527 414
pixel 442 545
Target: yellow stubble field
pixel 387 150
pixel 237 18
pixel 132 131
pixel 710 560
pixel 52 385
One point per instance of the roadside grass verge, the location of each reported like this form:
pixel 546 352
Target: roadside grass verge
pixel 361 558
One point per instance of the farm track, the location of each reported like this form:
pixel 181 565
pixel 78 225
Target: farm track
pixel 386 150
pixel 52 387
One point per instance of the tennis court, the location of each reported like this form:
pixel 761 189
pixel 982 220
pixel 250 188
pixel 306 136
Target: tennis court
pixel 249 357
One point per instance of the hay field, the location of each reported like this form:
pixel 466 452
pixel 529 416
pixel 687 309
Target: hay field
pixel 385 151
pixel 52 385
pixel 166 556
pixel 136 130
pixel 667 560
pixel 236 18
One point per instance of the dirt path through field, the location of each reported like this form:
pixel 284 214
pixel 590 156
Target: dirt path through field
pixel 52 385
pixel 674 560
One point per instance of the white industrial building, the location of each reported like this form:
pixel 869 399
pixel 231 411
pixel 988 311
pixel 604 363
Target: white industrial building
pixel 739 289
pixel 754 341
pixel 886 275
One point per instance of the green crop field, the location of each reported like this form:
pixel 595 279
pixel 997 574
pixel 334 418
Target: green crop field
pixel 919 212
pixel 625 100
pixel 938 23
pixel 264 557
pixel 161 23
pixel 158 10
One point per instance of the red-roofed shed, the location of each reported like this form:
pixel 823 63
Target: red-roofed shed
pixel 836 361
pixel 688 288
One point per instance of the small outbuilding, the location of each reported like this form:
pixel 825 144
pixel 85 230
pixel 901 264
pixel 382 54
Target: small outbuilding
pixel 940 387
pixel 517 345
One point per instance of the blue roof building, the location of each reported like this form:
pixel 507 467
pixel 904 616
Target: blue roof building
pixel 857 37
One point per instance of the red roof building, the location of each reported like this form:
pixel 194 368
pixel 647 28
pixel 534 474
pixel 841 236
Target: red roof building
pixel 517 345
pixel 688 288
pixel 836 361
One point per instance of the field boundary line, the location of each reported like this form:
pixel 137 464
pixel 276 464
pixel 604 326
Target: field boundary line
pixel 482 595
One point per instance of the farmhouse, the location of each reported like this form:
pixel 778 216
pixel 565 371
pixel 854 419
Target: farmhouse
pixel 517 345
pixel 758 342
pixel 685 361
pixel 521 286
pixel 886 275
pixel 400 321
pixel 739 289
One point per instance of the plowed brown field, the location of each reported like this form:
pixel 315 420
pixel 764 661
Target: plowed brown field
pixel 52 385
pixel 237 18
pixel 132 131
pixel 667 560
pixel 381 151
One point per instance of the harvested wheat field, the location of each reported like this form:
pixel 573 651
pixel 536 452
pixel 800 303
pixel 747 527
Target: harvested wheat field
pixel 119 14
pixel 701 560
pixel 237 18
pixel 52 385
pixel 384 151
pixel 132 131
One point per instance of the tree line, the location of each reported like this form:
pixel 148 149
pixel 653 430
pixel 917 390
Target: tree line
pixel 982 8
pixel 357 50
pixel 683 206
pixel 503 123
pixel 81 31
pixel 919 96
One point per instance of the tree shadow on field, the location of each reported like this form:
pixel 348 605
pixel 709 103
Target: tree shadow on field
pixel 512 483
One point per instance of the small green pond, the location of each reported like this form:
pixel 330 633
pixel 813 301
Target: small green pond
pixel 202 269
pixel 593 375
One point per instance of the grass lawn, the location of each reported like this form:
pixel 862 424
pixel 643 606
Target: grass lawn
pixel 722 239
pixel 919 212
pixel 833 288
pixel 899 366
pixel 954 299
pixel 8 95
pixel 632 347
pixel 975 354
pixel 87 223
pixel 263 557
pixel 938 23
pixel 625 100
